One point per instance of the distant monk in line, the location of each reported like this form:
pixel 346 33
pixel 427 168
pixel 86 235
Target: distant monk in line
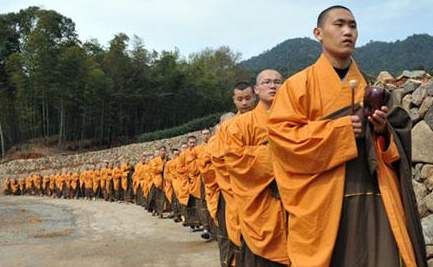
pixel 262 217
pixel 344 178
pixel 229 235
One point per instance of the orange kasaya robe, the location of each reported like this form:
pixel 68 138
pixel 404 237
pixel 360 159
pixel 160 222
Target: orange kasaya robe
pixel 124 176
pixel 117 175
pixel 136 176
pixel 75 179
pixel 104 178
pixel 60 179
pixel 22 185
pixel 157 167
pixel 146 180
pixel 96 180
pixel 45 182
pixel 88 179
pixel 109 178
pixel 194 171
pixel 28 182
pixel 309 155
pixel 207 172
pixel 262 217
pixel 67 177
pixel 183 176
pixel 14 186
pixel 172 170
pixel 82 178
pixel 6 184
pixel 168 180
pixel 52 185
pixel 37 179
pixel 222 178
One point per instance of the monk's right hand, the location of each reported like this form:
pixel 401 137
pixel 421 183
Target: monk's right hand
pixel 356 125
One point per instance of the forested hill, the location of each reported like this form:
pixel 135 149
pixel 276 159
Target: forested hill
pixel 290 56
pixel 52 84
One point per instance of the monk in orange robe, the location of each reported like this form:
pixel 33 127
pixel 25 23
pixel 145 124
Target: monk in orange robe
pixel 209 228
pixel 189 193
pixel 229 235
pixel 171 176
pixel 109 184
pixel 126 181
pixel 52 185
pixel 146 181
pixel 45 184
pixel 60 183
pixel 104 180
pixel 117 176
pixel 74 185
pixel 88 183
pixel 158 200
pixel 262 217
pixel 96 183
pixel 6 186
pixel 15 187
pixel 136 179
pixel 343 177
pixel 37 180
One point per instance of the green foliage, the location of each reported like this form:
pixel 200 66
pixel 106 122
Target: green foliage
pixel 52 84
pixel 194 125
pixel 293 55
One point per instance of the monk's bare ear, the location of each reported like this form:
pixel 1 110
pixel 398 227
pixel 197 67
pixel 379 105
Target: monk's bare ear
pixel 318 33
pixel 256 90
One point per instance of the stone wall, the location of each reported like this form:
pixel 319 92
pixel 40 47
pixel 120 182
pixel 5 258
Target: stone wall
pixel 19 168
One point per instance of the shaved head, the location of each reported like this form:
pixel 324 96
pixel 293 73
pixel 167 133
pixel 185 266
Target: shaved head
pixel 323 15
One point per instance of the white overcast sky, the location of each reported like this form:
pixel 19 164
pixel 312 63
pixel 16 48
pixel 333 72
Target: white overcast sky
pixel 246 26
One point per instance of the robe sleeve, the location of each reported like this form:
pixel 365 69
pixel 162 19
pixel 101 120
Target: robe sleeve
pixel 306 146
pixel 250 161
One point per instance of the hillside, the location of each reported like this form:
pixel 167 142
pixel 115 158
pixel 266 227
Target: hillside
pixel 292 55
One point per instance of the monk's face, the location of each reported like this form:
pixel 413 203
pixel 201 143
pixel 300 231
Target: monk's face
pixel 268 82
pixel 192 142
pixel 338 33
pixel 183 147
pixel 162 152
pixel 176 153
pixel 205 134
pixel 244 100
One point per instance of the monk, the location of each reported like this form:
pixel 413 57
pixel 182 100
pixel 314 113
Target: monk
pixel 104 180
pixel 37 179
pixel 170 177
pixel 96 189
pixel 15 187
pixel 146 181
pixel 88 183
pixel 6 186
pixel 109 185
pixel 60 184
pixel 189 195
pixel 52 185
pixel 46 184
pixel 117 176
pixel 229 233
pixel 67 184
pixel 343 178
pixel 126 180
pixel 74 185
pixel 262 217
pixel 157 168
pixel 136 179
pixel 208 225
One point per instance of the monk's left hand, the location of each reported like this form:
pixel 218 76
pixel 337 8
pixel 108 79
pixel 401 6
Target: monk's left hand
pixel 378 120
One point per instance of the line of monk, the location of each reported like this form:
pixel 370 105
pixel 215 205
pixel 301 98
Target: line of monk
pixel 300 176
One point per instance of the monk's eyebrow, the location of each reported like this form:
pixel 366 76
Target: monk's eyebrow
pixel 346 21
